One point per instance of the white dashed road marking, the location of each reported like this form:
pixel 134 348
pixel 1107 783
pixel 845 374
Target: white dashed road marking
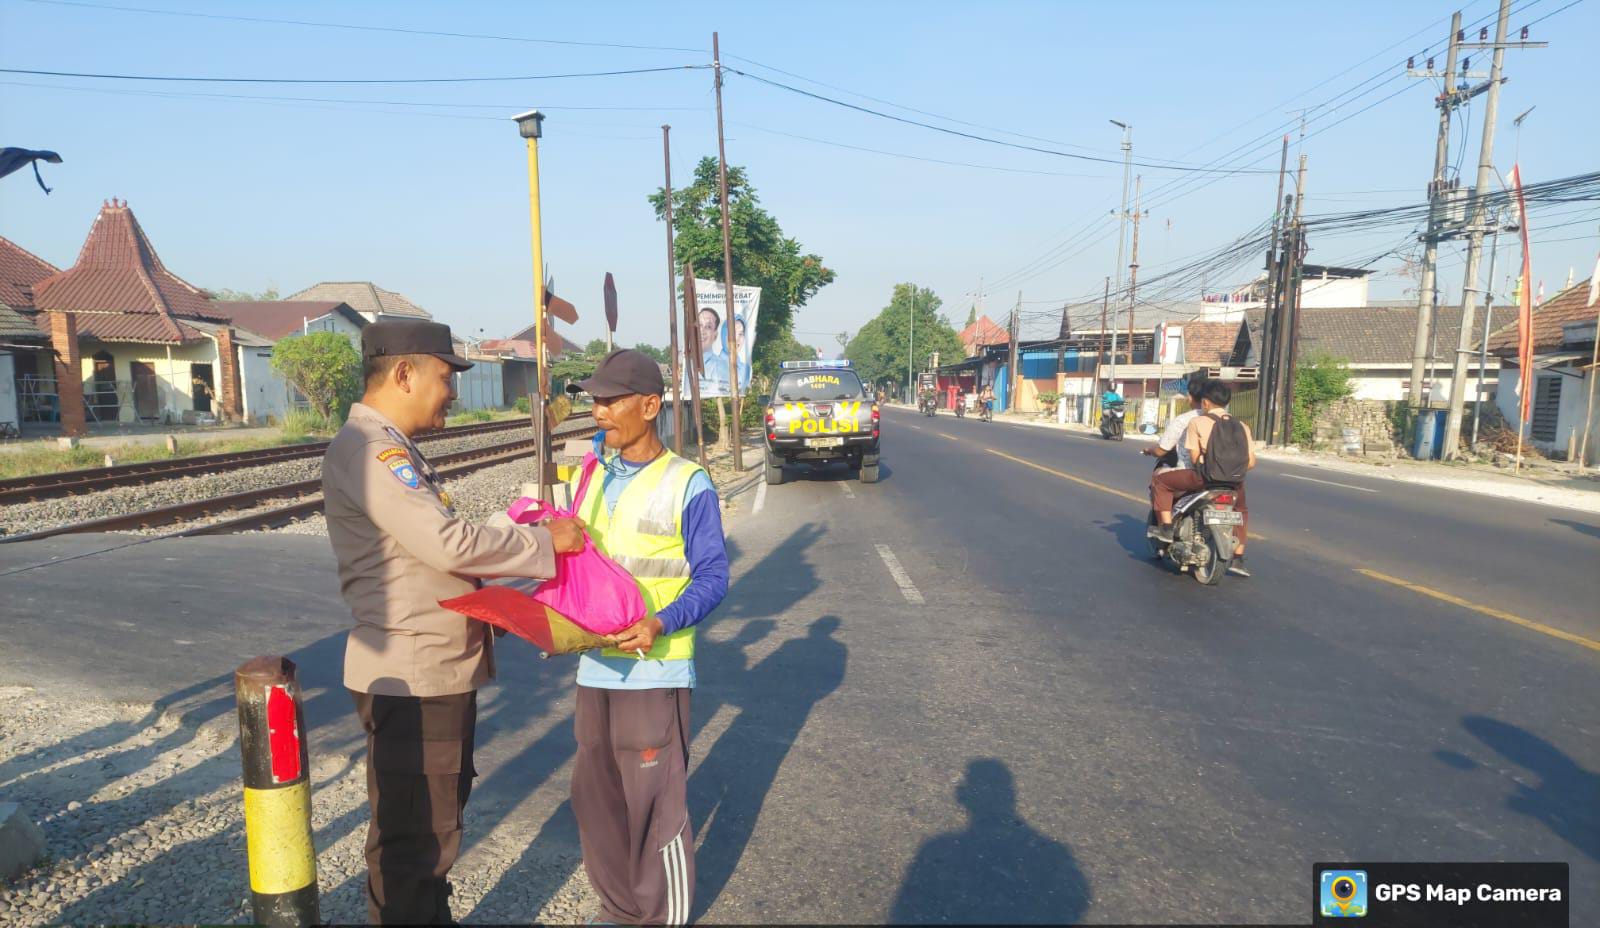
pixel 1347 486
pixel 761 498
pixel 901 578
pixel 847 491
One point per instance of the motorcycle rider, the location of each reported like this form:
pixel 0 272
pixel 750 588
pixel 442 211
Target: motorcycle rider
pixel 1170 451
pixel 1166 487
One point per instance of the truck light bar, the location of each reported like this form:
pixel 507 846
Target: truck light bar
pixel 805 365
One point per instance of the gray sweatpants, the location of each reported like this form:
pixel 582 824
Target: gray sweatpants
pixel 630 796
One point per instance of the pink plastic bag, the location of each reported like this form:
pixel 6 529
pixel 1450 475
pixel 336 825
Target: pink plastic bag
pixel 589 588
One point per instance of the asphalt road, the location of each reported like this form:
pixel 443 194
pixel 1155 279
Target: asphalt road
pixel 1051 727
pixel 965 694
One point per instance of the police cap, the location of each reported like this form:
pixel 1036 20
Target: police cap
pixel 411 336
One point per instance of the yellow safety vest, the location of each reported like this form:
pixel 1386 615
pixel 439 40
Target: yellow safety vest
pixel 645 535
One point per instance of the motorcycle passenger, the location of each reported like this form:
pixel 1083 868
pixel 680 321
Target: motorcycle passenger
pixel 1166 487
pixel 1170 451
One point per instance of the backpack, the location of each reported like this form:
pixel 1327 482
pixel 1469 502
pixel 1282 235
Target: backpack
pixel 1226 457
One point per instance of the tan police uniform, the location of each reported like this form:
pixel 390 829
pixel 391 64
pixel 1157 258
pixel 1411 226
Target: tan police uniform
pixel 412 666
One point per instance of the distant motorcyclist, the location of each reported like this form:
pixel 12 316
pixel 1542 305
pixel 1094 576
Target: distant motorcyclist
pixel 987 398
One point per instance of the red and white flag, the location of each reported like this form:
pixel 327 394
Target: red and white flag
pixel 1524 304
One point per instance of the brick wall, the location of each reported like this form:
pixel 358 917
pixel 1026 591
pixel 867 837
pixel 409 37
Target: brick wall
pixel 232 403
pixel 68 371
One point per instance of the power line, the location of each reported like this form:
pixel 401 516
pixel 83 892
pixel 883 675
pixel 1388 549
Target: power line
pixel 262 20
pixel 323 80
pixel 966 135
pixel 416 103
pixel 897 154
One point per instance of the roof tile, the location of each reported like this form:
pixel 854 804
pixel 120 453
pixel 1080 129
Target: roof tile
pixel 1566 306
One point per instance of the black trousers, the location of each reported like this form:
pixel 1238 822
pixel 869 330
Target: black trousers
pixel 419 775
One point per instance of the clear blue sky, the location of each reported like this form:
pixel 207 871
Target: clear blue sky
pixel 431 200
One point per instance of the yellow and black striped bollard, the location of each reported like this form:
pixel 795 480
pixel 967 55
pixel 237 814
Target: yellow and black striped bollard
pixel 277 793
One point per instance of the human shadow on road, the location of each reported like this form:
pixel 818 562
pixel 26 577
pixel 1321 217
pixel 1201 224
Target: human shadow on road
pixel 1567 797
pixel 1129 531
pixel 1583 528
pixel 758 600
pixel 997 870
pixel 728 789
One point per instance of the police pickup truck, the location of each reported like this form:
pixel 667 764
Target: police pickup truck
pixel 820 413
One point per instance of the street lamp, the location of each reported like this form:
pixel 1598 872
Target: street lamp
pixel 1122 234
pixel 530 126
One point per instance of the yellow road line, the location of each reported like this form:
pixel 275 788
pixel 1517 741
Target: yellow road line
pixel 1064 476
pixel 1490 611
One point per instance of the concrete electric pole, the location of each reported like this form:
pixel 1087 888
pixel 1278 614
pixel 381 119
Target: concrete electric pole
pixel 1436 197
pixel 1480 221
pixel 1122 232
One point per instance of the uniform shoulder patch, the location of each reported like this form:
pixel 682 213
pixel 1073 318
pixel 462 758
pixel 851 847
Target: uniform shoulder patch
pixel 399 464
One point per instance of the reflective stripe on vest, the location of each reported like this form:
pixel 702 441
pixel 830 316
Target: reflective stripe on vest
pixel 645 535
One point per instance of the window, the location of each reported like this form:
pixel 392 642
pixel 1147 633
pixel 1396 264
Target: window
pixel 1546 407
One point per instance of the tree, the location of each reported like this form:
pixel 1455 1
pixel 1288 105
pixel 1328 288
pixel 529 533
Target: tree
pixel 762 255
pixel 972 315
pixel 880 349
pixel 324 367
pixel 596 348
pixel 1319 381
pixel 225 295
pixel 659 355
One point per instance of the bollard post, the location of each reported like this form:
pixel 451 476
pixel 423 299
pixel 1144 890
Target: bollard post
pixel 277 793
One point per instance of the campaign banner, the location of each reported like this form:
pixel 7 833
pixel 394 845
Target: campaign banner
pixel 712 330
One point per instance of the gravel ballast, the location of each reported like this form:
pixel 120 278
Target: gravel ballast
pixel 144 820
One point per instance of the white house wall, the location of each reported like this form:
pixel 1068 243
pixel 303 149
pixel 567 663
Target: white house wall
pixel 174 390
pixel 266 395
pixel 1569 414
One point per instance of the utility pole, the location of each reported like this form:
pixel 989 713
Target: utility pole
pixel 1122 231
pixel 1133 265
pixel 1272 282
pixel 1290 325
pixel 1014 388
pixel 1488 314
pixel 672 303
pixel 1479 223
pixel 1437 198
pixel 911 350
pixel 727 268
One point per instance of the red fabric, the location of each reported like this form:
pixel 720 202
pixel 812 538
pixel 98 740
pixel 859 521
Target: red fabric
pixel 1524 305
pixel 514 611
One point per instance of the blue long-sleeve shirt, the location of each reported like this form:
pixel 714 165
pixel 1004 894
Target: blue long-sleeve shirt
pixel 708 584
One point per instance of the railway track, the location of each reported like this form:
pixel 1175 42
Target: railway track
pixel 73 482
pixel 305 496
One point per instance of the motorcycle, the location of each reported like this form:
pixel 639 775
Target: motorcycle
pixel 1111 424
pixel 961 407
pixel 927 406
pixel 986 410
pixel 1202 534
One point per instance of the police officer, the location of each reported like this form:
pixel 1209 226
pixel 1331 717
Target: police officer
pixel 413 667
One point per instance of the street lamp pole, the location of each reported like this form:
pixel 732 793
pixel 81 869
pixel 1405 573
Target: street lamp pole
pixel 1122 233
pixel 911 349
pixel 531 126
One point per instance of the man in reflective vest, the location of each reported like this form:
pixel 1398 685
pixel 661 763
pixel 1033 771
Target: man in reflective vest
pixel 659 516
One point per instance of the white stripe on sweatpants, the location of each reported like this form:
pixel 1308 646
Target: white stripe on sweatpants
pixel 677 881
